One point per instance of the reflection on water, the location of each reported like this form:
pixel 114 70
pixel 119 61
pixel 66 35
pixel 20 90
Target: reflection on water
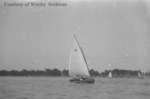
pixel 61 88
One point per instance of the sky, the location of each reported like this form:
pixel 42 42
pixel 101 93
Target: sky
pixel 112 33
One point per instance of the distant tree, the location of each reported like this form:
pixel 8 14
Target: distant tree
pixel 3 73
pixel 94 72
pixel 56 72
pixel 65 72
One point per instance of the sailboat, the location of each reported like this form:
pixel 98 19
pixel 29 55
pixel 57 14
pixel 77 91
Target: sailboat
pixel 110 74
pixel 78 68
pixel 140 75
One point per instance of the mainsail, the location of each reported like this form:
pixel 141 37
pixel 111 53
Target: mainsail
pixel 77 65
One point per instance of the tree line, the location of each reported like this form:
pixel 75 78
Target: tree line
pixel 57 72
pixel 46 72
pixel 24 72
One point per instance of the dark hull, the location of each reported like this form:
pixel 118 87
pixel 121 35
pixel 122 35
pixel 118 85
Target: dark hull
pixel 79 80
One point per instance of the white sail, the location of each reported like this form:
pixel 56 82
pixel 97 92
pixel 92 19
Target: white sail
pixel 77 63
pixel 139 74
pixel 110 75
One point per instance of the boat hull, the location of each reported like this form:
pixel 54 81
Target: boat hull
pixel 81 80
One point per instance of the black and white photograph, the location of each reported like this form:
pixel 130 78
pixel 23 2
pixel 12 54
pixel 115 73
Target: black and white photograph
pixel 74 49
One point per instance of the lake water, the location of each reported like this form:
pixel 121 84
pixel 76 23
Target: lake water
pixel 61 88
